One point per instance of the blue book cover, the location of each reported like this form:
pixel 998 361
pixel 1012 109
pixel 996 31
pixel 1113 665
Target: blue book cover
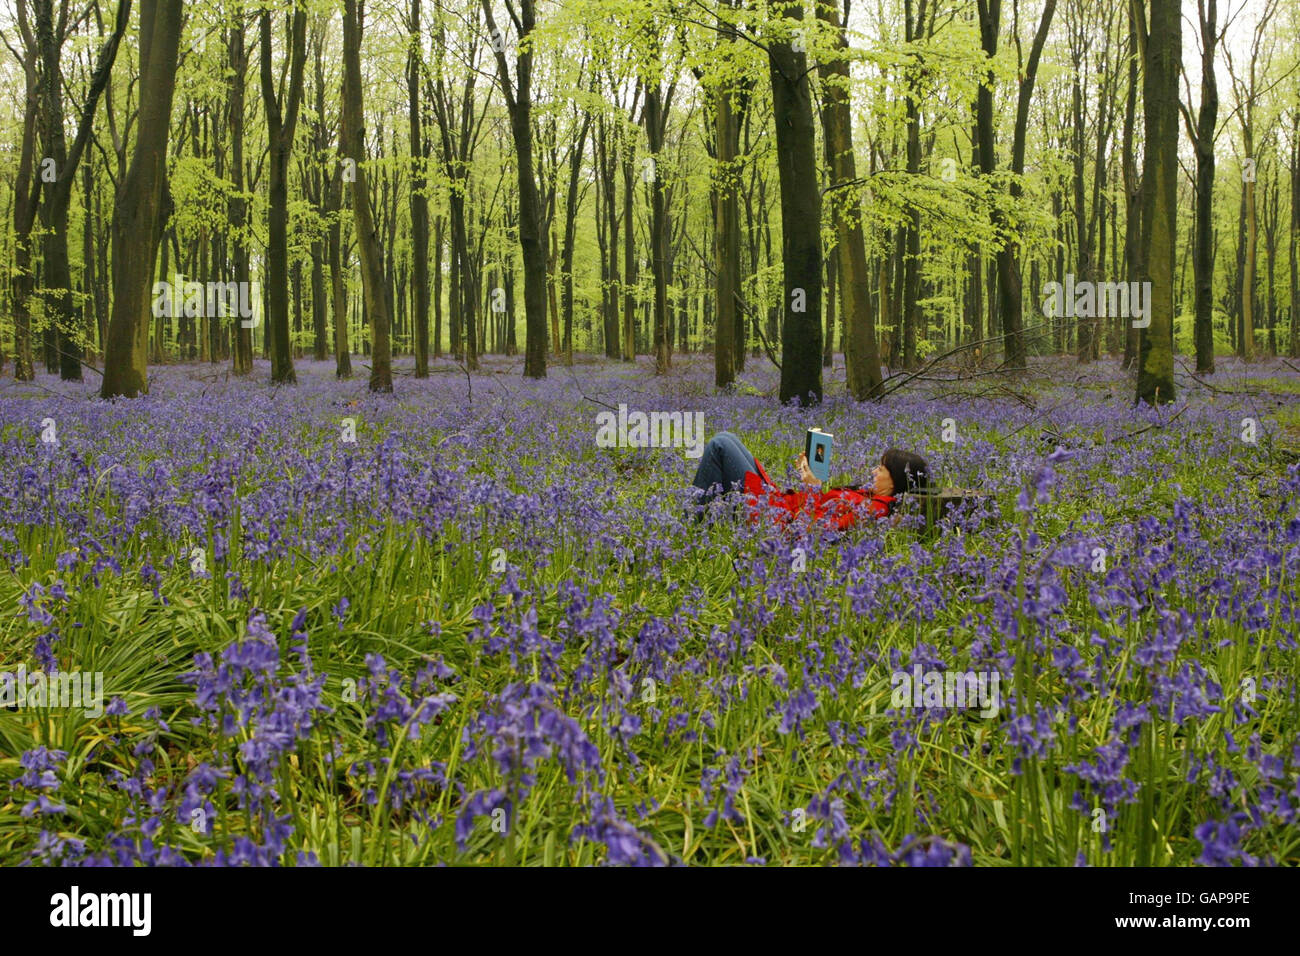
pixel 817 448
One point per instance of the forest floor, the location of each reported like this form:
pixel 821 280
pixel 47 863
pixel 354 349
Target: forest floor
pixel 312 625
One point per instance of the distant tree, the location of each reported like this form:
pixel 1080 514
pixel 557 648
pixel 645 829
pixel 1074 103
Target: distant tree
pixel 1202 127
pixel 1245 87
pixel 1010 291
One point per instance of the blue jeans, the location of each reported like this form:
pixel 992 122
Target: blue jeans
pixel 724 463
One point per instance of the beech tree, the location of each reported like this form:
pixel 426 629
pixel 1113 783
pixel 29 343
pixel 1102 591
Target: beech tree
pixel 801 212
pixel 1010 292
pixel 59 168
pixel 281 108
pixel 637 181
pixel 1161 39
pixel 518 95
pixel 354 149
pixel 138 209
pixel 861 348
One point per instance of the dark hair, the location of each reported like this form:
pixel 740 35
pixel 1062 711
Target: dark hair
pixel 908 471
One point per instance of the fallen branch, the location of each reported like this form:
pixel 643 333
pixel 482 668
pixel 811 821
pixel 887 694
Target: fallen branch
pixel 1147 428
pixel 469 384
pixel 1036 418
pixel 884 392
pixel 582 392
pixel 1214 388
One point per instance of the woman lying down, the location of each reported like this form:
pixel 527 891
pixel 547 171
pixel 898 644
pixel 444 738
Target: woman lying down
pixel 727 467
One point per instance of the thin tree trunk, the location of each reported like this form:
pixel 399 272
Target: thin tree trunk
pixel 570 233
pixel 629 258
pixel 1203 141
pixel 1293 245
pixel 338 283
pixel 732 103
pixel 1132 185
pixel 419 199
pixel 437 286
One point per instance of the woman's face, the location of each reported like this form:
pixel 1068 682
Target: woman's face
pixel 882 483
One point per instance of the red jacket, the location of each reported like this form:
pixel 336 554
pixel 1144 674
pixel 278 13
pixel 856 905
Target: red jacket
pixel 837 507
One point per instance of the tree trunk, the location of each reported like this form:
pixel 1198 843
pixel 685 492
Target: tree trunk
pixel 1008 269
pixel 861 349
pixel 1270 256
pixel 281 122
pixel 728 118
pixel 607 163
pixel 570 234
pixel 1132 185
pixel 57 276
pixel 1159 200
pixel 26 197
pixel 914 30
pixel 242 354
pixel 354 145
pixel 338 284
pixel 1083 253
pixel 419 200
pixel 629 257
pixel 801 211
pixel 295 273
pixel 1293 244
pixel 138 208
pixel 437 287
pixel 655 123
pixel 319 323
pixel 1203 258
pixel 519 104
pixel 552 299
pixel 1249 266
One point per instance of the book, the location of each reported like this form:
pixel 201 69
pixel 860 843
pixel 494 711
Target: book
pixel 817 448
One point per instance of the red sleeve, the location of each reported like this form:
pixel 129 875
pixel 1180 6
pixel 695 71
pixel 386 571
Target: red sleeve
pixel 837 507
pixel 841 507
pixel 762 493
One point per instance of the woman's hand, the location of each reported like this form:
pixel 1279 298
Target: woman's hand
pixel 809 479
